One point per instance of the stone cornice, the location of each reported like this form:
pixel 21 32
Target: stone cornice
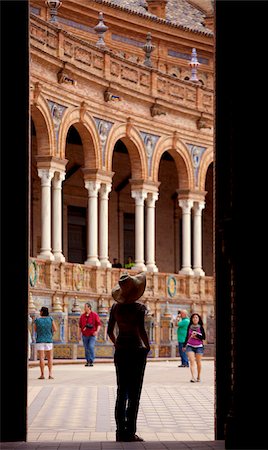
pixel 50 162
pixel 102 176
pixel 139 185
pixel 186 194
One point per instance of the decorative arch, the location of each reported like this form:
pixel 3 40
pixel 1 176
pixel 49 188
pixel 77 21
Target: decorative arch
pixel 131 137
pixel 182 160
pixel 41 116
pixel 204 165
pixel 89 136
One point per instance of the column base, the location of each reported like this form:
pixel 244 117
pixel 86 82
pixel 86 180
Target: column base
pixel 139 266
pixel 59 256
pixel 199 272
pixel 46 255
pixel 105 263
pixel 151 268
pixel 92 262
pixel 186 271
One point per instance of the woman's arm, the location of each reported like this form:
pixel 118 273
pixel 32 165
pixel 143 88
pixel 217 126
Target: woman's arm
pixel 203 333
pixel 186 339
pixel 142 332
pixel 111 325
pixel 54 327
pixel 144 337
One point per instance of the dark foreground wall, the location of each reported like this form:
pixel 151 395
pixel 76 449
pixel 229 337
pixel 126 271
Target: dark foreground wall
pixel 241 230
pixel 14 218
pixel 241 226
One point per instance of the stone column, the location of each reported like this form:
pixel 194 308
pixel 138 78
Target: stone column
pixel 139 229
pixel 197 238
pixel 186 206
pixel 92 223
pixel 103 228
pixel 57 216
pixel 46 176
pixel 150 232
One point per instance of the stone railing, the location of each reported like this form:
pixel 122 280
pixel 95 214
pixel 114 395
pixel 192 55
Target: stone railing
pixel 105 65
pixel 65 287
pixel 89 281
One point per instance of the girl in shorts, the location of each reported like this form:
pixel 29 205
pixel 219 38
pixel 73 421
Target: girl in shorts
pixel 44 327
pixel 194 346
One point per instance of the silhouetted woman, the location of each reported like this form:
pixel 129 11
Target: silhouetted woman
pixel 131 349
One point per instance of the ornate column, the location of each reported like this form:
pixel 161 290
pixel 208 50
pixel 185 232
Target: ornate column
pixel 46 176
pixel 57 216
pixel 186 206
pixel 92 223
pixel 150 232
pixel 197 238
pixel 103 228
pixel 139 229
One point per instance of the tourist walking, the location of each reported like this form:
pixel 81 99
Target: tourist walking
pixel 89 324
pixel 181 335
pixel 44 327
pixel 194 346
pixel 131 349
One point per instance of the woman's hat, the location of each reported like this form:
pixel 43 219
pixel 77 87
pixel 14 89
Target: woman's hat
pixel 129 288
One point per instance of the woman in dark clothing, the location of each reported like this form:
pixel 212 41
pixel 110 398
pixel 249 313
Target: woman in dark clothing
pixel 194 346
pixel 131 349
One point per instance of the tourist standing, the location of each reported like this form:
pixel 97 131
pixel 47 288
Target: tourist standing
pixel 194 346
pixel 44 327
pixel 181 334
pixel 89 324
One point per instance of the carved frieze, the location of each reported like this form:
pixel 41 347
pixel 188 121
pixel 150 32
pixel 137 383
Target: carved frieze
pixel 98 62
pixel 129 74
pixel 83 55
pixel 68 48
pixel 176 90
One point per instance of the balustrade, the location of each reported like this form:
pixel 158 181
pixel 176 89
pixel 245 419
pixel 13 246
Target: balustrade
pixel 65 287
pixel 106 65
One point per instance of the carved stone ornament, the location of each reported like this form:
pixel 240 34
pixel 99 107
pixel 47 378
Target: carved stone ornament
pixel 100 29
pixel 64 77
pixel 202 123
pixel 157 110
pixel 37 92
pixel 83 110
pixel 110 97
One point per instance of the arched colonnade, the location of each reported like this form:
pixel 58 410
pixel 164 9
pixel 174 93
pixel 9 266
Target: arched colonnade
pixel 99 137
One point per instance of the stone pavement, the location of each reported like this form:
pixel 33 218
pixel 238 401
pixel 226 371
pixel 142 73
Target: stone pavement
pixel 76 409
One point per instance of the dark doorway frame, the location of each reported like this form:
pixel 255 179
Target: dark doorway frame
pixel 240 393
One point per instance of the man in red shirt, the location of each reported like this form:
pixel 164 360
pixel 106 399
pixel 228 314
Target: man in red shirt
pixel 89 324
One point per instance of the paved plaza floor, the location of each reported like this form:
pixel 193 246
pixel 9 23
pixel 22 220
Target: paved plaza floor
pixel 76 409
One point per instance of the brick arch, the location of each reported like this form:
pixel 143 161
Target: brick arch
pixel 205 162
pixel 43 123
pixel 135 146
pixel 88 133
pixel 182 160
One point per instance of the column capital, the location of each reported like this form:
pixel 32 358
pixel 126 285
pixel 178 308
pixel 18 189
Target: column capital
pixel 46 176
pixel 58 179
pixel 186 204
pixel 105 190
pixel 198 207
pixel 92 188
pixel 152 197
pixel 139 196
